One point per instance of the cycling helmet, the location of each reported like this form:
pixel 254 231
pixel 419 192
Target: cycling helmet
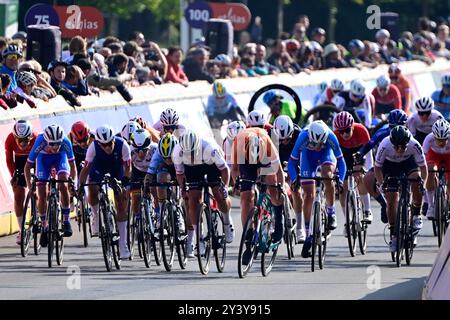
pixel 343 120
pixel 283 126
pixel 53 134
pixel 140 138
pixel 12 49
pixel 140 121
pixel 382 33
pixel 356 44
pixel 219 90
pixel 189 141
pixel 424 104
pixel 223 59
pixel 394 69
pixel 292 45
pixel 80 131
pixel 269 96
pixel 166 145
pixel 446 80
pixel 256 119
pixel 400 136
pixel 383 82
pixel 441 129
pixel 26 78
pixel 397 117
pixel 337 85
pixel 318 132
pixel 169 117
pixel 104 134
pixel 357 88
pixel 323 86
pixel 128 130
pixel 22 129
pixel 234 128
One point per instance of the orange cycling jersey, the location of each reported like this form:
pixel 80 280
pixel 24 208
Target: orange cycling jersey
pixel 267 151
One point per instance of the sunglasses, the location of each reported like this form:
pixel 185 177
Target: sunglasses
pixel 424 113
pixel 106 145
pixel 23 140
pixel 348 130
pixel 83 140
pixel 166 128
pixel 441 141
pixel 54 144
pixel 336 91
pixel 400 147
pixel 315 144
pixel 13 57
pixel 142 149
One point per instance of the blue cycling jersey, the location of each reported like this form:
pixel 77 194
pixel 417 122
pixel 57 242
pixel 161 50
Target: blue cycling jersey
pixel 438 96
pixel 40 147
pixel 379 135
pixel 220 106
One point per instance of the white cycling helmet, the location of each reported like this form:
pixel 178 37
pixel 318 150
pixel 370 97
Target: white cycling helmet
pixel 53 134
pixel 424 104
pixel 256 119
pixel 234 128
pixel 189 141
pixel 446 80
pixel 318 132
pixel 441 129
pixel 357 88
pixel 169 117
pixel 383 82
pixel 141 139
pixel 104 134
pixel 283 126
pixel 337 85
pixel 128 129
pixel 382 33
pixel 26 78
pixel 22 129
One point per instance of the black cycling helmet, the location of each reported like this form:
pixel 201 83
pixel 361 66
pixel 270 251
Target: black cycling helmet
pixel 400 136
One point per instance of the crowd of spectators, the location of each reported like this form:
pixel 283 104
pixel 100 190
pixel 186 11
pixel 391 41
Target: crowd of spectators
pixel 89 66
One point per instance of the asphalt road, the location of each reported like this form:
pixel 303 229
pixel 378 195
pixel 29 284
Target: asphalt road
pixel 370 276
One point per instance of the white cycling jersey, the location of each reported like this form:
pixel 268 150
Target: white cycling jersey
pixel 430 144
pixel 208 153
pixel 343 99
pixel 386 151
pixel 227 146
pixel 415 123
pixel 143 165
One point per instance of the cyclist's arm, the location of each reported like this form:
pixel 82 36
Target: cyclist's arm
pixel 88 161
pixel 368 111
pixel 341 165
pixel 84 173
pixel 378 175
pixel 27 173
pixel 225 175
pixel 9 155
pixel 424 172
pixel 126 158
pixel 376 138
pixel 301 143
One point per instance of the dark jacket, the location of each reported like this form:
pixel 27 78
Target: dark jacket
pixel 195 72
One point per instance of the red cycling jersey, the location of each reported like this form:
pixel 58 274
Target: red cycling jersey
pixel 393 98
pixel 360 137
pixel 13 151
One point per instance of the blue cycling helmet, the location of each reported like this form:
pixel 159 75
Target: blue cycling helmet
pixel 269 96
pixel 356 44
pixel 397 117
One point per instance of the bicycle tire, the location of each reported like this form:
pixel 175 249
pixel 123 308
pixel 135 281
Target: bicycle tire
pixel 26 228
pixel 181 239
pixel 316 234
pixel 218 234
pixel 156 245
pixel 145 233
pixel 249 224
pixel 439 208
pixel 167 249
pixel 105 238
pixel 114 236
pixel 267 259
pixel 84 220
pixel 409 242
pixel 203 234
pixel 288 240
pixel 400 230
pixel 131 231
pixel 323 239
pixel 59 244
pixel 350 215
pixel 52 229
pixel 362 234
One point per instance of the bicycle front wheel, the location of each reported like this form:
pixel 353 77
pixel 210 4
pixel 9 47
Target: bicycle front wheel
pixel 324 238
pixel 59 244
pixel 268 256
pixel 166 237
pixel 105 236
pixel 26 229
pixel 204 243
pixel 145 233
pixel 289 235
pixel 52 229
pixel 316 245
pixel 85 220
pixel 439 213
pixel 131 234
pixel 181 238
pixel 249 243
pixel 350 214
pixel 400 230
pixel 219 241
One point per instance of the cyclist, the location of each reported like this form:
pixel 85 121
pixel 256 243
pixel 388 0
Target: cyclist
pixel 52 150
pixel 317 145
pixel 400 154
pixel 255 155
pixel 437 149
pixel 387 97
pixel 142 151
pixel 153 132
pixel 233 129
pixel 26 82
pixel 257 119
pixel 222 105
pixel 169 123
pixel 420 122
pixel 278 106
pixel 322 87
pixel 81 137
pixel 328 94
pixel 356 101
pixel 442 97
pixel 352 136
pixel 402 84
pixel 396 117
pixel 108 154
pixel 194 158
pixel 287 134
pixel 18 145
pixel 127 131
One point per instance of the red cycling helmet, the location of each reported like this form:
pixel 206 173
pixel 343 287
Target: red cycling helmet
pixel 80 131
pixel 343 120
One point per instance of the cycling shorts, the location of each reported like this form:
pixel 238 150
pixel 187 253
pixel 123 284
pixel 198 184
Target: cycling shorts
pixel 137 176
pixel 397 169
pixel 439 160
pixel 20 162
pixel 97 174
pixel 46 162
pixel 196 173
pixel 310 159
pixel 249 172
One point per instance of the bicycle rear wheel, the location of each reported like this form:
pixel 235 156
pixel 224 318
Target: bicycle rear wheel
pixel 439 208
pixel 219 243
pixel 181 238
pixel 114 236
pixel 252 243
pixel 52 229
pixel 400 230
pixel 156 245
pixel 268 256
pixel 145 233
pixel 131 234
pixel 316 241
pixel 166 235
pixel 289 236
pixel 204 243
pixel 350 215
pixel 37 229
pixel 26 228
pixel 85 220
pixel 105 236
pixel 59 245
pixel 324 238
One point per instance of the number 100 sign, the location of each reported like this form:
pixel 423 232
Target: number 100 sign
pixel 197 14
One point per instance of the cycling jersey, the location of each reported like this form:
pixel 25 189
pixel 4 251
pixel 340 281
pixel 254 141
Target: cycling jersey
pixel 227 145
pixel 386 151
pixel 438 96
pixel 390 101
pixel 143 165
pixel 377 137
pixel 177 133
pixel 289 108
pixel 405 90
pixel 15 156
pixel 80 152
pixel 439 156
pixel 420 129
pixel 103 163
pixel 344 102
pixel 430 144
pixel 326 97
pixel 328 155
pixel 220 106
pixel 158 165
pixel 349 147
pixel 285 150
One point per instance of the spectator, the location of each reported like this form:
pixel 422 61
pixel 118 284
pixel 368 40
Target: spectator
pixel 292 47
pixel 244 38
pixel 280 58
pixel 248 65
pixel 75 82
pixel 115 48
pixel 175 73
pixel 77 45
pixel 306 59
pixel 333 57
pixel 116 68
pixel 195 66
pixel 382 38
pixel 304 20
pixel 6 100
pixel 137 37
pixel 22 36
pixel 105 52
pixel 223 63
pixel 25 86
pixel 99 76
pixel 235 69
pixel 12 56
pixel 299 32
pixel 405 47
pixel 318 35
pixel 262 67
pixel 3 44
pixel 155 54
pixel 257 30
pixel 442 46
pixel 132 50
pixel 110 39
pixel 155 73
pixel 420 50
pixel 57 71
pixel 42 90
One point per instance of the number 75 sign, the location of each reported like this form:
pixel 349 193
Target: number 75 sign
pixel 72 20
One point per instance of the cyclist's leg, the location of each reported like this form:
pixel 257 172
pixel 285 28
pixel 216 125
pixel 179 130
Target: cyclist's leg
pixel 93 199
pixel 121 204
pixel 194 174
pixel 43 169
pixel 135 191
pixel 364 194
pixel 343 195
pixel 308 166
pixel 277 203
pixel 63 172
pixel 248 172
pixel 391 169
pixel 19 198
